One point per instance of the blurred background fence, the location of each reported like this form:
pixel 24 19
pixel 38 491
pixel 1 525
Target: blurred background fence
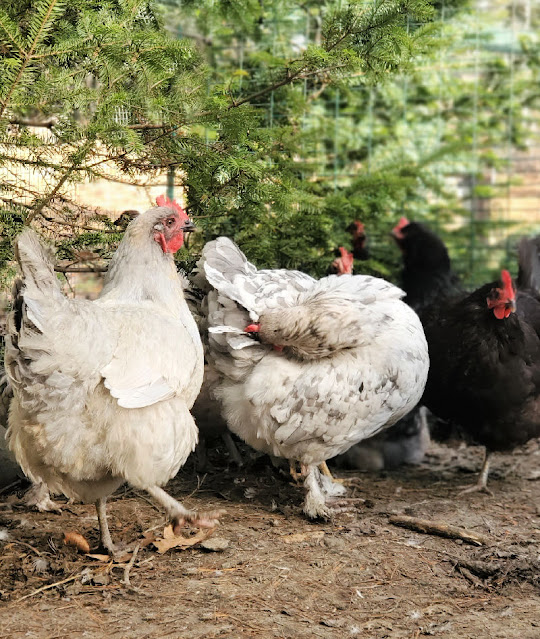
pixel 465 113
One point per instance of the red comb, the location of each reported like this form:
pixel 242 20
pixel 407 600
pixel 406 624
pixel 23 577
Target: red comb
pixel 163 200
pixel 359 226
pixel 347 259
pixel 403 222
pixel 508 287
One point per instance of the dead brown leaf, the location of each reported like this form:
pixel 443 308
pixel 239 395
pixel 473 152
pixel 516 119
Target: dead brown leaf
pixel 170 540
pixel 75 539
pixel 148 538
pixel 98 557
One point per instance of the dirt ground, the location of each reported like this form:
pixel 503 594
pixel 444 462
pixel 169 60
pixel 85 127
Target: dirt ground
pixel 268 572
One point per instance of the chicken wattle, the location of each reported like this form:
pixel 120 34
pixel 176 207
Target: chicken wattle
pixel 334 360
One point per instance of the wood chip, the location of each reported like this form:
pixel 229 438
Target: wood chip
pixel 215 544
pixel 98 557
pixel 299 537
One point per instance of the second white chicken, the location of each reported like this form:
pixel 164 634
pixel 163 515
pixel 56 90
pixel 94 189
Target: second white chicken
pixel 322 365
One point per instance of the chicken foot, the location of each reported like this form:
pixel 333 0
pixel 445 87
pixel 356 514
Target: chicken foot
pixel 232 449
pixel 38 496
pixel 180 516
pixel 481 484
pixel 315 503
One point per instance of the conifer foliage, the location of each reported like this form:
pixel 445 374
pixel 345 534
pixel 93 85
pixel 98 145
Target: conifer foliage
pixel 87 85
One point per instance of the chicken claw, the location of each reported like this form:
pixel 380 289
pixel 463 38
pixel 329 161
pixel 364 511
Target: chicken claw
pixel 481 484
pixel 208 519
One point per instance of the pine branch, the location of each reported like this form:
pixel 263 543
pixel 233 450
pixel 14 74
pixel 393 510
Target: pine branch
pixel 53 121
pixel 10 29
pixel 67 174
pixel 28 55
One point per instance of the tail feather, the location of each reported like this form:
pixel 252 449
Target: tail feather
pixel 529 264
pixel 223 262
pixel 36 262
pixel 39 285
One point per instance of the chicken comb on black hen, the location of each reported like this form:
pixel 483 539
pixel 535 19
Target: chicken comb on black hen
pixel 427 274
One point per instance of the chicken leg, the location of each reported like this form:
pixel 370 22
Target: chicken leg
pixel 104 532
pixel 179 514
pixel 315 502
pixel 481 484
pixel 351 481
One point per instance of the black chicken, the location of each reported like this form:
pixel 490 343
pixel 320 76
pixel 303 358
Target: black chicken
pixel 359 240
pixel 485 361
pixel 427 274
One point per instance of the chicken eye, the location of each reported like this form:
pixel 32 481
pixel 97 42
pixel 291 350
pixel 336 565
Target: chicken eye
pixel 170 221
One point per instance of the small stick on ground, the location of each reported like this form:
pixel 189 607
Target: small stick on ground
pixel 472 578
pixel 43 588
pixel 129 566
pixel 439 528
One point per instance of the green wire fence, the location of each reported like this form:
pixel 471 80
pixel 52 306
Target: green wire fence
pixel 462 113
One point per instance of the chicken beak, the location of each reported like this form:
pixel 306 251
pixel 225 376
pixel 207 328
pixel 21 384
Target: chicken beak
pixel 188 226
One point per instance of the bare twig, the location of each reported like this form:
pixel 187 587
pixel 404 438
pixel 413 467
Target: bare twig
pixel 472 578
pixel 40 124
pixel 23 543
pixel 48 198
pixel 43 588
pixel 82 227
pixel 81 269
pixel 439 528
pixel 129 566
pixel 5 489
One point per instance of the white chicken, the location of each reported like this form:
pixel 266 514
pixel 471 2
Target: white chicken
pixel 103 389
pixel 338 359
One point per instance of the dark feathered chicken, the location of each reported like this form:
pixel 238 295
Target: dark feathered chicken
pixel 359 240
pixel 485 365
pixel 427 275
pixel 344 260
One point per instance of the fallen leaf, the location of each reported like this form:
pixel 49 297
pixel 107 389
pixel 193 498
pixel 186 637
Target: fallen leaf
pixel 148 538
pixel 297 537
pixel 98 557
pixel 118 559
pixel 77 540
pixel 170 540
